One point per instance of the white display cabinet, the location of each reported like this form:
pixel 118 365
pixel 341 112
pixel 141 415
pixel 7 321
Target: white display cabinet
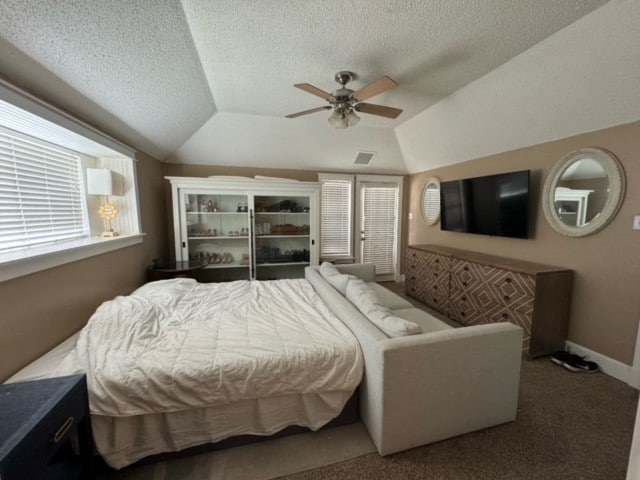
pixel 246 229
pixel 572 205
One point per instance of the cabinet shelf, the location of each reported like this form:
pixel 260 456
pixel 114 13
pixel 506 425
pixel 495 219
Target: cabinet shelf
pixel 217 213
pixel 280 264
pixel 226 265
pixel 283 236
pixel 218 237
pixel 282 213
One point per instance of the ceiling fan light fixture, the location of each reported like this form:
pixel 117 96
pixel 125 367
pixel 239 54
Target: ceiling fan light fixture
pixel 338 120
pixel 345 102
pixel 352 118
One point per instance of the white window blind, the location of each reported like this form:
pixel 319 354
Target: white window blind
pixel 336 218
pixel 41 197
pixel 380 226
pixel 431 203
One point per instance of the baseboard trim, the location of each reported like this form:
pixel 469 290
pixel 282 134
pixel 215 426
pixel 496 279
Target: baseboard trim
pixel 634 377
pixel 608 365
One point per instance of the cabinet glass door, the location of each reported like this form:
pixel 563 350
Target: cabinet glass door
pixel 218 233
pixel 282 236
pixel 569 212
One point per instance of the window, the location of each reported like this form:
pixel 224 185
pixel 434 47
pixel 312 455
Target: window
pixel 379 225
pixel 46 218
pixel 370 205
pixel 41 194
pixel 336 216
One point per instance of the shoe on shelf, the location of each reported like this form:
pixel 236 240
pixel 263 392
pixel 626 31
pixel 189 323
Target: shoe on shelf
pixel 573 362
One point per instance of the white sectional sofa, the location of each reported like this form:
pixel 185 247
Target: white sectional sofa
pixel 429 386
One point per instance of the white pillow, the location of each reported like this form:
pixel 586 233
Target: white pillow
pixel 369 303
pixel 335 278
pixel 366 300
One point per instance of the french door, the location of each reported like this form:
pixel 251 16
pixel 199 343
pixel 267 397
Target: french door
pixel 378 207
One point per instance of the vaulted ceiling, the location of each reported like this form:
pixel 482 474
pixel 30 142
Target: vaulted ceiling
pixel 210 81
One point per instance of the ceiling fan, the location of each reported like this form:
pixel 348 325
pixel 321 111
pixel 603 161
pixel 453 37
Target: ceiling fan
pixel 345 102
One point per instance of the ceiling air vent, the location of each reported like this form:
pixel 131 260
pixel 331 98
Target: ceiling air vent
pixel 364 158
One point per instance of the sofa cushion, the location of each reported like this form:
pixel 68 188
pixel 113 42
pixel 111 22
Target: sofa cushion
pixel 428 322
pixel 336 279
pixel 369 303
pixel 392 300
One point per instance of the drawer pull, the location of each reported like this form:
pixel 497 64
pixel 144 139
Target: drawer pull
pixel 462 313
pixel 435 287
pixel 504 315
pixel 466 269
pixel 464 299
pixel 435 274
pixel 437 260
pixel 62 431
pixel 508 280
pixel 464 283
pixel 506 297
pixel 435 300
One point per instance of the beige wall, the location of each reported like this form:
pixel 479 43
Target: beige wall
pixel 606 306
pixel 41 309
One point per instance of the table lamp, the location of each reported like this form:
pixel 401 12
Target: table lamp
pixel 101 181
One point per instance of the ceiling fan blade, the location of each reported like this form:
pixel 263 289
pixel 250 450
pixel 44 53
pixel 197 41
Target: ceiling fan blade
pixel 307 87
pixel 379 110
pixel 380 85
pixel 306 112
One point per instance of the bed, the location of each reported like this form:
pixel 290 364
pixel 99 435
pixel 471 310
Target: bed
pixel 178 364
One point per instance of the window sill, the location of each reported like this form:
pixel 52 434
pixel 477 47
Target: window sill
pixel 19 263
pixel 338 259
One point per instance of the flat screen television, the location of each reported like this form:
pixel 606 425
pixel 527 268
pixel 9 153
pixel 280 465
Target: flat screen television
pixel 493 205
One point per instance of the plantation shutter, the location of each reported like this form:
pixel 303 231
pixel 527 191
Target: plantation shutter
pixel 380 226
pixel 335 218
pixel 41 198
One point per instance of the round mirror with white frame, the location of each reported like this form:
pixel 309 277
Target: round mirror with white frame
pixel 583 192
pixel 430 201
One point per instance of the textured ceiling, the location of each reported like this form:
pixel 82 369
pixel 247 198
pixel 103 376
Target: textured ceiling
pixel 135 59
pixel 163 68
pixel 254 51
pixel 582 79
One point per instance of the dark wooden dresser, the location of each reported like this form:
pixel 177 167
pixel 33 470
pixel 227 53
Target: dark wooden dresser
pixel 45 430
pixel 474 288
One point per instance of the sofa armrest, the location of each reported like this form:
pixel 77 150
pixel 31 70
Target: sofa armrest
pixel 443 384
pixel 364 271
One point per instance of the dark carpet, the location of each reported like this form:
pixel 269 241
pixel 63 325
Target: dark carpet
pixel 569 426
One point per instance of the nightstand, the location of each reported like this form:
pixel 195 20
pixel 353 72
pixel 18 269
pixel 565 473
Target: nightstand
pixel 162 270
pixel 45 430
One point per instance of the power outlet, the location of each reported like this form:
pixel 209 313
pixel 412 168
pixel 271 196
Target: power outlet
pixel 636 222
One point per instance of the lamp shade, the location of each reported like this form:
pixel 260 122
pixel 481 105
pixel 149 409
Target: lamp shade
pixel 352 118
pixel 338 120
pixel 100 181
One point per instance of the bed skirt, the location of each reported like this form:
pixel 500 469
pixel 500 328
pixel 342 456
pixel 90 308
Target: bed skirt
pixel 350 414
pixel 121 439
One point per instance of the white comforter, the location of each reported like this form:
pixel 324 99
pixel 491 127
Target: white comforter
pixel 177 344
